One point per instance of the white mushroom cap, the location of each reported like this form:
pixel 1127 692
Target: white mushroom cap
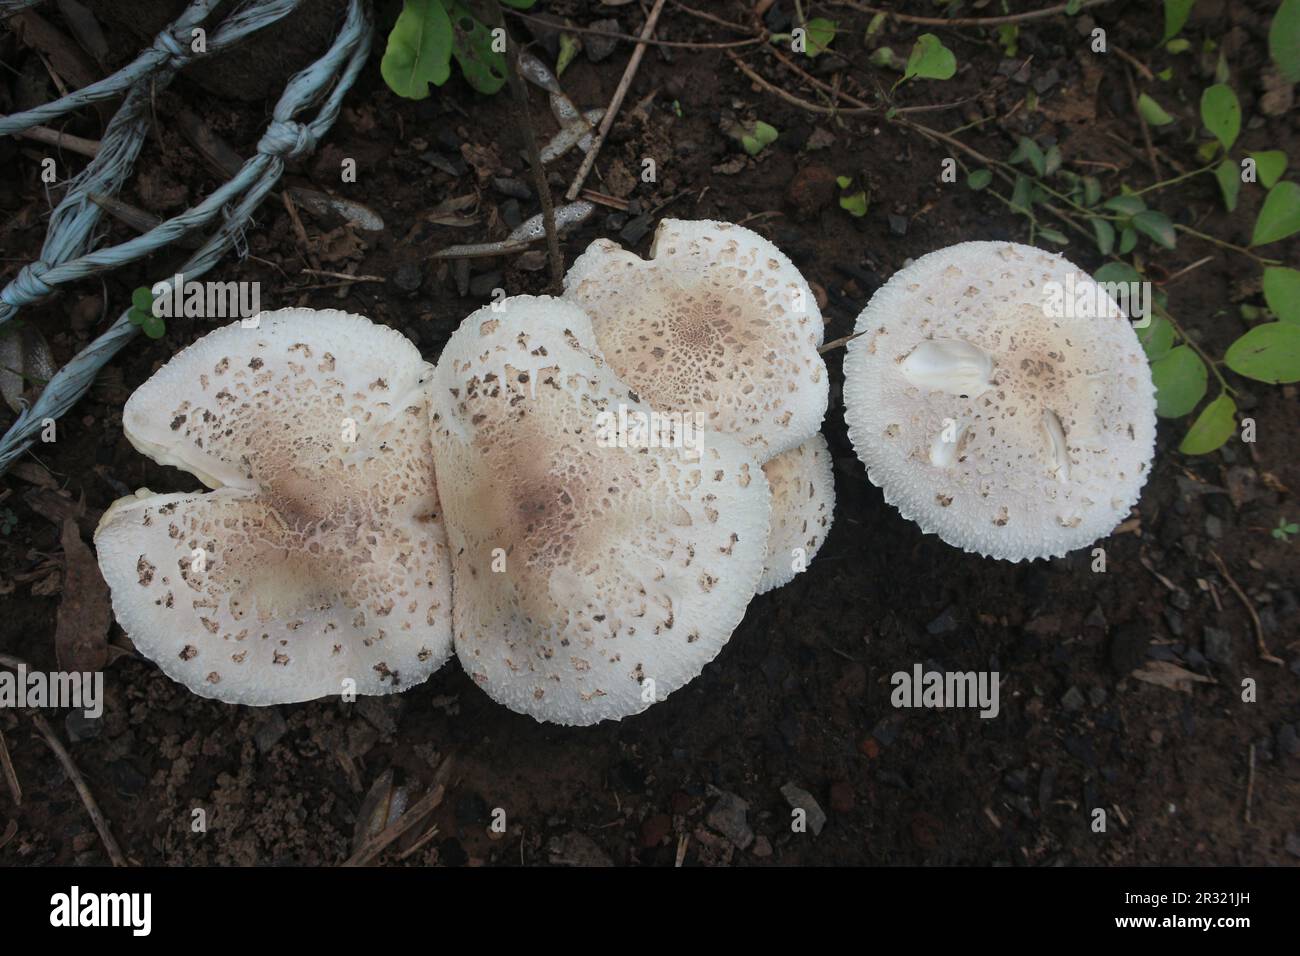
pixel 321 556
pixel 803 507
pixel 583 568
pixel 991 420
pixel 717 322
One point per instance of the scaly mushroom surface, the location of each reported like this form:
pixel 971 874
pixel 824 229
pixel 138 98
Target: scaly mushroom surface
pixel 988 418
pixel 592 577
pixel 318 565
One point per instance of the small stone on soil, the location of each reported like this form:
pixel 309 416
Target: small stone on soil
pixel 730 817
pixel 801 799
pixel 600 47
pixel 1218 646
pixel 945 623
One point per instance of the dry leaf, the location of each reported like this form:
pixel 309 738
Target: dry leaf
pixel 1170 675
pixel 81 628
pixel 25 363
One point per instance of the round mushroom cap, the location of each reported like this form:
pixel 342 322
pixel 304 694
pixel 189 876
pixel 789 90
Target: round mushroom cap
pixel 803 507
pixel 598 565
pixel 994 414
pixel 319 566
pixel 717 322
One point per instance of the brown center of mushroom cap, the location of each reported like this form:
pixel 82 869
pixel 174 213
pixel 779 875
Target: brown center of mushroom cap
pixel 680 348
pixel 533 492
pixel 716 323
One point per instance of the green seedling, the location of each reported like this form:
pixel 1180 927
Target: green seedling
pixel 142 314
pixel 757 136
pixel 854 203
pixel 429 34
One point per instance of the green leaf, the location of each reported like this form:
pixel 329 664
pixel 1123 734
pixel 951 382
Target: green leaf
pixel 1052 160
pixel 1176 14
pixel 1008 34
pixel 930 60
pixel 759 137
pixel 1117 272
pixel 1280 216
pixel 820 33
pixel 1212 427
pixel 1269 166
pixel 1181 45
pixel 1022 195
pixel 419 49
pixel 1180 378
pixel 855 203
pixel 1267 353
pixel 519 4
pixel 1221 113
pixel 883 56
pixel 1027 149
pixel 979 179
pixel 1221 72
pixel 569 47
pixel 1125 205
pixel 1284 40
pixel 1157 338
pixel 1282 292
pixel 843 181
pixel 142 299
pixel 153 326
pixel 1157 227
pixel 1153 112
pixel 484 67
pixel 1054 235
pixel 1091 191
pixel 1128 238
pixel 1105 235
pixel 1229 177
pixel 876 23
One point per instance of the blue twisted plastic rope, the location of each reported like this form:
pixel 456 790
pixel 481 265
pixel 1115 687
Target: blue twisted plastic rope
pixel 326 82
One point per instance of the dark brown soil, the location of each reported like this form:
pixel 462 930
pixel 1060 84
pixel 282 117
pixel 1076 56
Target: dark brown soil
pixel 801 692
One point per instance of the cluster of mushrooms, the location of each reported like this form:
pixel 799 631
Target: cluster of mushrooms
pixel 370 513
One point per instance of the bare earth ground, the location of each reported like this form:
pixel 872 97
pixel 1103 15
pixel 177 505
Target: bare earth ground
pixel 801 693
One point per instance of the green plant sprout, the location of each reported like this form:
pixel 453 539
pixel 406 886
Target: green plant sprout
pixel 810 37
pixel 428 34
pixel 141 313
pixel 854 203
pixel 929 60
pixel 757 136
pixel 1284 531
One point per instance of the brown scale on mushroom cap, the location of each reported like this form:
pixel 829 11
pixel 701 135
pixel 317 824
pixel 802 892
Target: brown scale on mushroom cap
pixel 321 555
pixel 717 321
pixel 582 569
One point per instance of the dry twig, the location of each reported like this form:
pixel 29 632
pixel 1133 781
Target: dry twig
pixel 7 768
pixel 83 791
pixel 970 21
pixel 369 851
pixel 633 63
pixel 1260 645
pixel 52 137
